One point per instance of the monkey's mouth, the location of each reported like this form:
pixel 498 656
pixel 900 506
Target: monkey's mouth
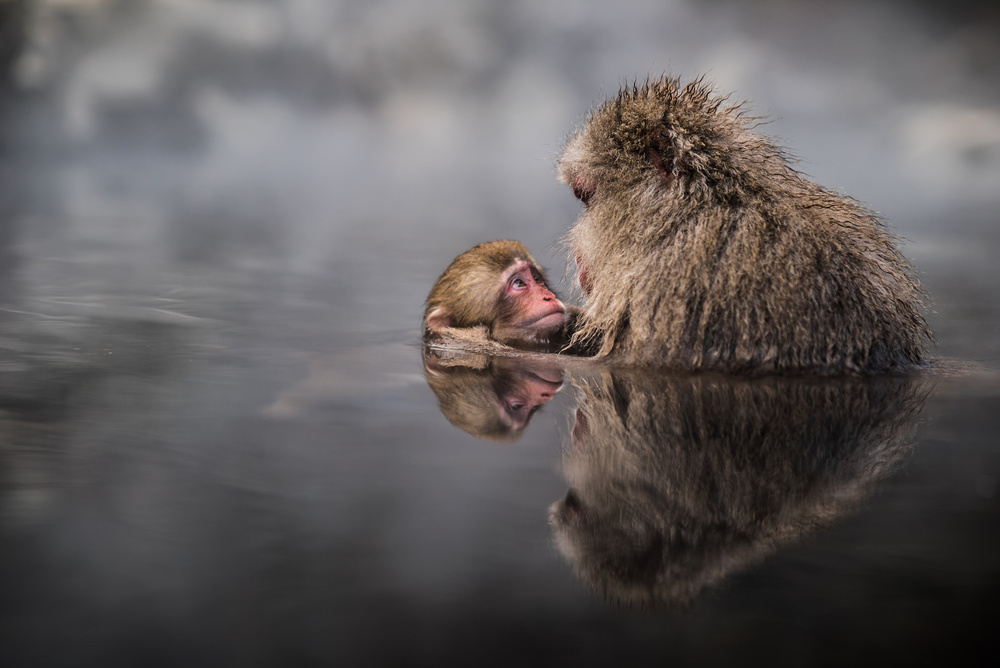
pixel 553 319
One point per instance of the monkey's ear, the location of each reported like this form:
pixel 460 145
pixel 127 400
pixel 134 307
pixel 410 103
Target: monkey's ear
pixel 438 319
pixel 434 366
pixel 661 154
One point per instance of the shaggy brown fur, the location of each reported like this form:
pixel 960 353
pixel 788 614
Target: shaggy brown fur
pixel 700 247
pixel 470 293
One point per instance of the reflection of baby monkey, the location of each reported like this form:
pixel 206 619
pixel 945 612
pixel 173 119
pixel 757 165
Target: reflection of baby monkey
pixel 492 398
pixel 495 293
pixel 677 481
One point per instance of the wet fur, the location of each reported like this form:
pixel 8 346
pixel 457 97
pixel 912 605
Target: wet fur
pixel 705 249
pixel 469 287
pixel 470 292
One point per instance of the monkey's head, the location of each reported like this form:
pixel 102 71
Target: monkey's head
pixel 659 139
pixel 497 285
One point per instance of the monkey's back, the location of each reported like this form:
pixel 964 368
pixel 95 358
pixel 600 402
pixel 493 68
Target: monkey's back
pixel 810 285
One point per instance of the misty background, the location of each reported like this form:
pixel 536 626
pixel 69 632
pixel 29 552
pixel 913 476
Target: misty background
pixel 369 143
pixel 218 222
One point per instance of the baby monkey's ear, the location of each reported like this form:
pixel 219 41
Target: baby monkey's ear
pixel 438 319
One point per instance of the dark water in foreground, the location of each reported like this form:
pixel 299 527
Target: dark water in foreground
pixel 217 468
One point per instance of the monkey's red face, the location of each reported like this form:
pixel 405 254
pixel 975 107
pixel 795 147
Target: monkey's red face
pixel 534 309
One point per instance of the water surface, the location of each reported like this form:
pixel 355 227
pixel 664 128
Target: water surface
pixel 211 467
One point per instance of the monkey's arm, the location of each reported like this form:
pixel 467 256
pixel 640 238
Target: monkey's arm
pixel 474 339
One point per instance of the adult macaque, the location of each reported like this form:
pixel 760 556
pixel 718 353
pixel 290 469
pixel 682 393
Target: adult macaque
pixel 496 293
pixel 700 247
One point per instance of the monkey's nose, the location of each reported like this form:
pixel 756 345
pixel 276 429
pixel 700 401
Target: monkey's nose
pixel 572 508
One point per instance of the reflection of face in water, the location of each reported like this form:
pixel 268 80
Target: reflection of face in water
pixel 523 391
pixel 677 481
pixel 488 397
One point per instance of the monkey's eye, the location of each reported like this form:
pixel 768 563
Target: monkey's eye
pixel 518 283
pixel 538 278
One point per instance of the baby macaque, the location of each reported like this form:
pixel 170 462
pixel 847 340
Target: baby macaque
pixel 701 247
pixel 496 293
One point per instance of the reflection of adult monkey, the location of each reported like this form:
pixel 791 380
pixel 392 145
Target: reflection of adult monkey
pixel 700 247
pixel 676 481
pixel 492 398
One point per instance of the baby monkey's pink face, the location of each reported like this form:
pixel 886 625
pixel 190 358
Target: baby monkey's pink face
pixel 535 313
pixel 495 291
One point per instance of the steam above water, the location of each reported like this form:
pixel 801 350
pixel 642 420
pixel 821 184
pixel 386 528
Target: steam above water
pixel 370 143
pixel 283 126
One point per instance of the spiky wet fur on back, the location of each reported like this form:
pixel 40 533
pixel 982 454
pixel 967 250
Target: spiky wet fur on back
pixel 705 249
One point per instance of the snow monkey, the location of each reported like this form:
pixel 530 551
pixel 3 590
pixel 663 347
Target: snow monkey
pixel 701 247
pixel 496 292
